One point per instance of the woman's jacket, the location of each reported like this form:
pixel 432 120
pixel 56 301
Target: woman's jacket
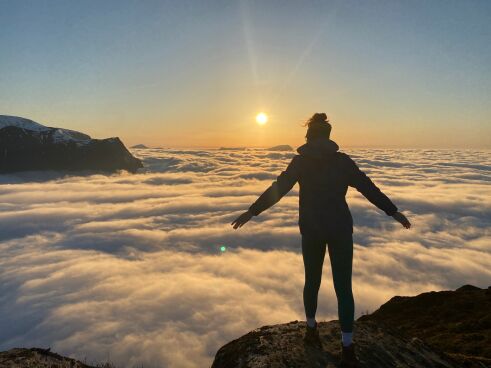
pixel 323 174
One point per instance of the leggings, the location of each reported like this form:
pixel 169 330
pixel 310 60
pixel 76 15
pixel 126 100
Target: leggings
pixel 341 255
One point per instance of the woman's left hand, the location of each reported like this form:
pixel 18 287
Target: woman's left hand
pixel 402 219
pixel 242 219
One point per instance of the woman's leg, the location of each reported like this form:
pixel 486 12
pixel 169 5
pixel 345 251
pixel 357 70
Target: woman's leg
pixel 341 256
pixel 313 251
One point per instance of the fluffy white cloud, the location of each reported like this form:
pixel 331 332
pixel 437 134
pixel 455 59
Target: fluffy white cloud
pixel 129 268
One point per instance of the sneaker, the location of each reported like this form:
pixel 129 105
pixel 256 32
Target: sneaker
pixel 348 358
pixel 312 335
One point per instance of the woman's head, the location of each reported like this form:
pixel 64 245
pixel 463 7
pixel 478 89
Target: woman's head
pixel 318 126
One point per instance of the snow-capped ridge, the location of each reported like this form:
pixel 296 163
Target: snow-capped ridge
pixel 26 145
pixel 7 120
pixel 58 134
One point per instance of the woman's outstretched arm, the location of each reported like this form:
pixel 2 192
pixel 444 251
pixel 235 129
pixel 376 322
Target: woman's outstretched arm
pixel 280 187
pixel 359 180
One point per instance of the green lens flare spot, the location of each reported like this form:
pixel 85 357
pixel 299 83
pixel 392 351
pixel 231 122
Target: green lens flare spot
pixel 223 248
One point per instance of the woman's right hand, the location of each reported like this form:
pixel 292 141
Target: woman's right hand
pixel 242 219
pixel 402 219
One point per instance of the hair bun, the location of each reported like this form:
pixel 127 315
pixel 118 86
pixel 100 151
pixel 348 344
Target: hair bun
pixel 318 126
pixel 318 118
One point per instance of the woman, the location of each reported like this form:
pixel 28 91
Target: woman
pixel 324 174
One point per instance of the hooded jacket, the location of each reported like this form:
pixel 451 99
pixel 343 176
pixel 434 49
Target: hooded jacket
pixel 324 174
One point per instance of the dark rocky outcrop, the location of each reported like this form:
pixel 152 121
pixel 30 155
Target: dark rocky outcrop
pixel 26 145
pixel 455 322
pixel 141 146
pixel 435 329
pixel 281 346
pixel 37 358
pixel 281 147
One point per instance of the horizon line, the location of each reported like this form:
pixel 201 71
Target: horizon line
pixel 293 147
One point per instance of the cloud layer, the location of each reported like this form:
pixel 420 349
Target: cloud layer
pixel 128 268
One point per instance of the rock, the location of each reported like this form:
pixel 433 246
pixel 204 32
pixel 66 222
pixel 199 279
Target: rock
pixel 27 145
pixel 38 358
pixel 468 288
pixel 281 346
pixel 433 329
pixel 281 147
pixel 455 322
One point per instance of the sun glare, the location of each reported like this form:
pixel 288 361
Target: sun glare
pixel 261 118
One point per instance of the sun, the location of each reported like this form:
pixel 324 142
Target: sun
pixel 261 118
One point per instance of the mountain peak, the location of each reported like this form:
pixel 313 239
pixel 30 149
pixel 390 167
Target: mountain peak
pixel 282 346
pixel 27 145
pixel 17 121
pixel 433 329
pixel 58 134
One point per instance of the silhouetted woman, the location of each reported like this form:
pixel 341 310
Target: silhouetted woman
pixel 324 174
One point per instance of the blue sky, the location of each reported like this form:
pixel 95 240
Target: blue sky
pixel 193 73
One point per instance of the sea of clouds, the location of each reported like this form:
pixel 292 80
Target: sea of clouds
pixel 128 268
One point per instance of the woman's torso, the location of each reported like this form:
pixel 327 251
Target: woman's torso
pixel 322 198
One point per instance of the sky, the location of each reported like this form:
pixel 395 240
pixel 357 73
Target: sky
pixel 195 73
pixel 128 267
